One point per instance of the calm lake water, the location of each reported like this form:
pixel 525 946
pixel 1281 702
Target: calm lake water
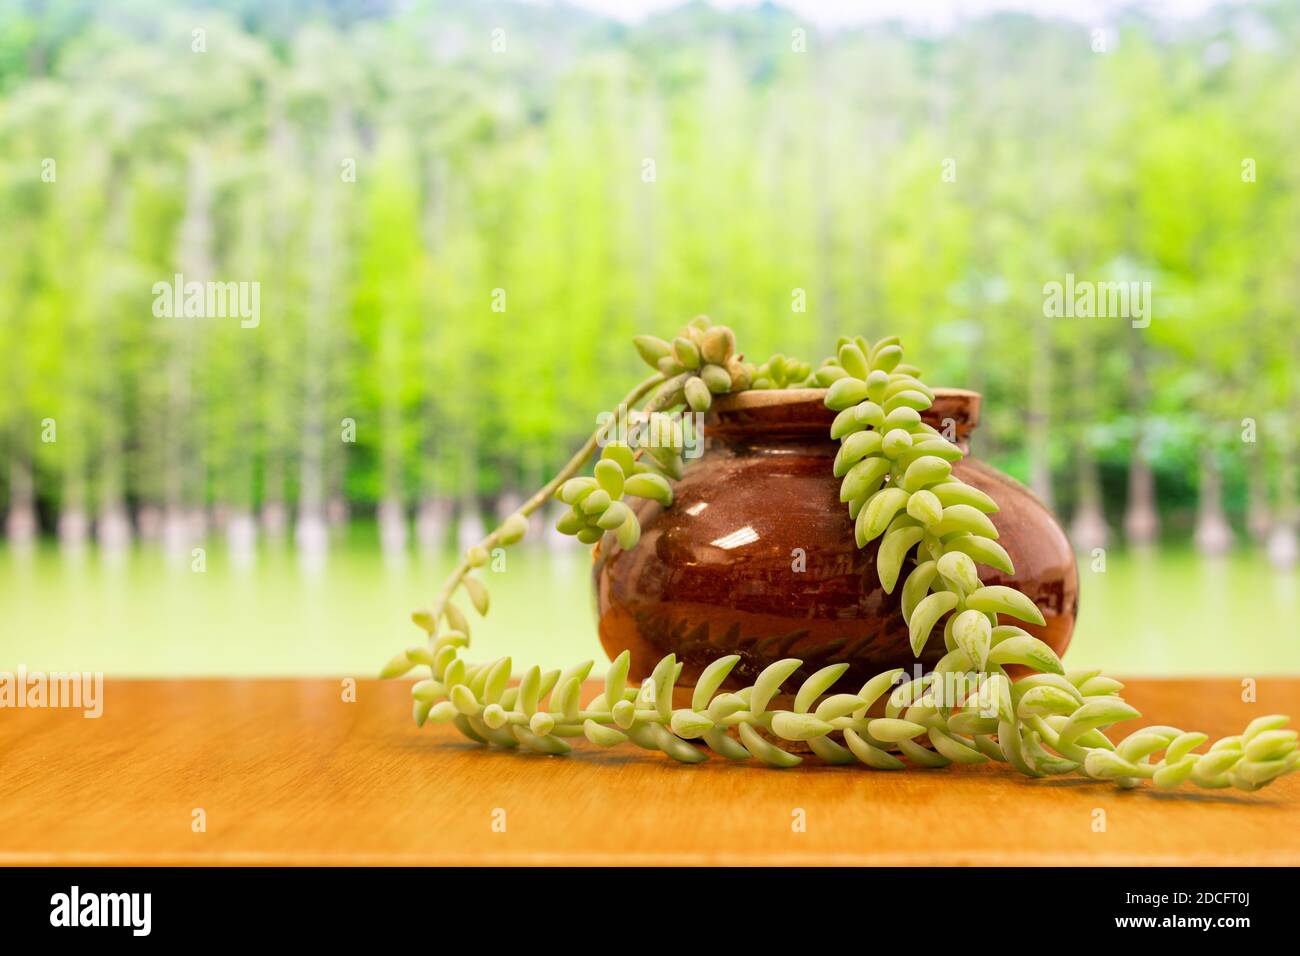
pixel 1168 613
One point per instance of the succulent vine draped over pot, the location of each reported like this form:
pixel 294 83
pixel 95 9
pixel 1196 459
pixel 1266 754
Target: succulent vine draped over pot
pixel 898 485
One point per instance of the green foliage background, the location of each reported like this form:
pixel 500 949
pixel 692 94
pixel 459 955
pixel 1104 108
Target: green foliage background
pixel 776 173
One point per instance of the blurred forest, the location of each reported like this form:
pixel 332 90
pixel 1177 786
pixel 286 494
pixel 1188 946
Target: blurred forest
pixel 459 214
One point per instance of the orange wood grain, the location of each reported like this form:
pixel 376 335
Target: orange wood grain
pixel 288 773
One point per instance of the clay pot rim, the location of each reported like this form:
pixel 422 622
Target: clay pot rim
pixel 768 397
pixel 803 411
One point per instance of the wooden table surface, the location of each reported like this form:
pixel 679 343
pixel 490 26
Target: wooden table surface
pixel 287 772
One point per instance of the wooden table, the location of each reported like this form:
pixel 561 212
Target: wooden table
pixel 287 772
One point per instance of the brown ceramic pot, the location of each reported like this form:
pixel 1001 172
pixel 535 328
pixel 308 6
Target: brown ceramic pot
pixel 717 572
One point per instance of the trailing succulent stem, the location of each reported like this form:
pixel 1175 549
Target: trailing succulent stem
pixel 899 486
pixel 510 531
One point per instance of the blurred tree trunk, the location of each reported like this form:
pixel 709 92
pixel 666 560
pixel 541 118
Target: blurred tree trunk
pixel 74 307
pixel 73 525
pixel 431 522
pixel 272 516
pixel 1255 391
pixel 337 510
pixel 113 526
pixel 234 478
pixel 311 534
pixel 434 508
pixel 20 520
pixel 392 503
pixel 281 342
pixel 1283 548
pixel 16 415
pixel 182 522
pixel 1088 530
pixel 1038 416
pixel 1258 519
pixel 310 531
pixel 469 526
pixel 1213 535
pixel 1141 520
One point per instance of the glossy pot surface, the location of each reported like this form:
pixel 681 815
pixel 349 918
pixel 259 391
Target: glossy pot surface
pixel 756 555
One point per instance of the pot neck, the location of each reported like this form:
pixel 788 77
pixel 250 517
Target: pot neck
pixel 801 414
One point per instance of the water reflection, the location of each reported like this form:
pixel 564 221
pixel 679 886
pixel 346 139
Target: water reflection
pixel 266 611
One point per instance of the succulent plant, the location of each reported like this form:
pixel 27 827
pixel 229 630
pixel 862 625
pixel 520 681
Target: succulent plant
pixel 899 486
pixel 700 362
